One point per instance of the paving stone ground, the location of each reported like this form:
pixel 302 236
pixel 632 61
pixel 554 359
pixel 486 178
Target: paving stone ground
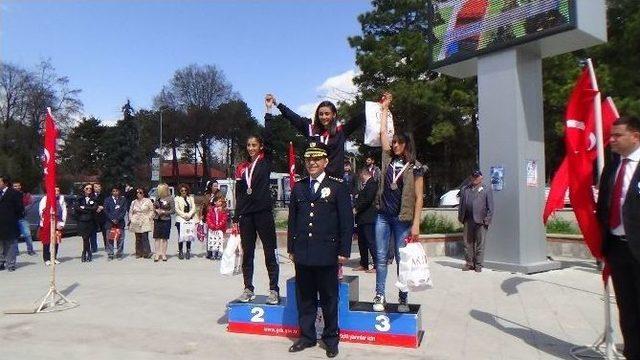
pixel 138 309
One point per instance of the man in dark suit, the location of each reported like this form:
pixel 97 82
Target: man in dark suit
pixel 101 220
pixel 319 237
pixel 115 209
pixel 11 210
pixel 365 212
pixel 475 212
pixel 619 215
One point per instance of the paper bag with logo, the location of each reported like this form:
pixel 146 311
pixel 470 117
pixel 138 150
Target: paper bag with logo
pixel 414 274
pixel 187 231
pixel 114 233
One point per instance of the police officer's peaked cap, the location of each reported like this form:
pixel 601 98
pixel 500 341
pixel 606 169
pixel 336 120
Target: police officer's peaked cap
pixel 315 149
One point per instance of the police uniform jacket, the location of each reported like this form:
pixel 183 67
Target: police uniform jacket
pixel 320 223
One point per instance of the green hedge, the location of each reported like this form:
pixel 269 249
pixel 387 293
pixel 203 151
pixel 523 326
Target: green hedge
pixel 438 224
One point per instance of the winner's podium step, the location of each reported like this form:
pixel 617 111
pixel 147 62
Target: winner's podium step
pixel 357 320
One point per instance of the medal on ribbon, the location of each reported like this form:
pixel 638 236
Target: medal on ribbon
pixel 248 174
pixel 394 182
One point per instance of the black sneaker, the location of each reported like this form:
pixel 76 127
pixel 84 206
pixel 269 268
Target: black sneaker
pixel 188 255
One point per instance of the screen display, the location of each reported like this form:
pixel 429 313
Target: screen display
pixel 462 29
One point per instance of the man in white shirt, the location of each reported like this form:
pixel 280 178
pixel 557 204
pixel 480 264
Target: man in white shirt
pixel 619 215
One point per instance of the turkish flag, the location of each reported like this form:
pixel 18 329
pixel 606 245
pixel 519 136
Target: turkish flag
pixel 292 166
pixel 580 144
pixel 49 166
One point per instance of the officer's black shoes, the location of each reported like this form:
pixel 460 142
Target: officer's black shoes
pixel 378 303
pixel 187 255
pixel 332 353
pixel 301 345
pixel 247 295
pixel 273 298
pixel 180 255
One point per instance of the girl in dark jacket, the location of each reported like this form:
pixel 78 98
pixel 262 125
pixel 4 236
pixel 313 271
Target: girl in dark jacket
pixel 85 209
pixel 254 212
pixel 324 128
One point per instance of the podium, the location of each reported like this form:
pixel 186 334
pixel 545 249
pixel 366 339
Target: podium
pixel 357 321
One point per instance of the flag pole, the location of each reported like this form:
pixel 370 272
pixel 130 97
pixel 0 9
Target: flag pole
pixel 606 339
pixel 54 300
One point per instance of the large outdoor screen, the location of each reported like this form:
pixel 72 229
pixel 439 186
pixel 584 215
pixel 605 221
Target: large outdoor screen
pixel 462 29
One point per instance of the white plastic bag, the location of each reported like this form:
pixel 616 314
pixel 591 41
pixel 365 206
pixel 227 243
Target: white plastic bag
pixel 187 231
pixel 373 113
pixel 414 274
pixel 215 240
pixel 231 258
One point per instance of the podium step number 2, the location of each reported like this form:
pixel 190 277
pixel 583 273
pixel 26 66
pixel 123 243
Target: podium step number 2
pixel 357 321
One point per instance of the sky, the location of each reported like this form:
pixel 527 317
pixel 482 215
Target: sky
pixel 119 50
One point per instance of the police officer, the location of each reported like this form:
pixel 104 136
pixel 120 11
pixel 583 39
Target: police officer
pixel 320 230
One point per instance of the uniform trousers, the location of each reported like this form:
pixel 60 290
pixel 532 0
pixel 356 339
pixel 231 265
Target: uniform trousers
pixel 625 275
pixel 260 224
pixel 311 282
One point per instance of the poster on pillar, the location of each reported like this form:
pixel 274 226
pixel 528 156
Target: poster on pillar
pixel 497 177
pixel 532 173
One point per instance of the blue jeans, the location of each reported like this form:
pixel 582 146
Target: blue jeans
pixel 389 227
pixel 25 232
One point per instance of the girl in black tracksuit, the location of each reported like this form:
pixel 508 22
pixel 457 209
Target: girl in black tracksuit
pixel 254 209
pixel 332 134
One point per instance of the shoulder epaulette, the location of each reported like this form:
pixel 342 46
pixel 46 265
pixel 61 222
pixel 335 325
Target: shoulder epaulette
pixel 335 179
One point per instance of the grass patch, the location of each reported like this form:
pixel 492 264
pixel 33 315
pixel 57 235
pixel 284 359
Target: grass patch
pixel 437 224
pixel 560 226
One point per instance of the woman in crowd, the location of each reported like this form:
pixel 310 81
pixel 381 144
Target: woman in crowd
pixel 185 211
pixel 141 214
pixel 44 231
pixel 254 211
pixel 85 209
pixel 164 208
pixel 324 128
pixel 399 203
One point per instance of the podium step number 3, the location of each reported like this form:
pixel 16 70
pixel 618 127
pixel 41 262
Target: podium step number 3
pixel 357 321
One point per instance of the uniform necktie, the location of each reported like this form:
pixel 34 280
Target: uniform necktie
pixel 313 186
pixel 615 218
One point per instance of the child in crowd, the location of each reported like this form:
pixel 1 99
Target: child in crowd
pixel 217 225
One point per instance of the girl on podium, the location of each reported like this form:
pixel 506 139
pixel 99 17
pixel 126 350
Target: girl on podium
pixel 325 129
pixel 399 203
pixel 254 211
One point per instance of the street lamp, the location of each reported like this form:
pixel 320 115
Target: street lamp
pixel 161 109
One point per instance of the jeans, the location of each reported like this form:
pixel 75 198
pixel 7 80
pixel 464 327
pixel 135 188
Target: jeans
pixel 25 232
pixel 389 227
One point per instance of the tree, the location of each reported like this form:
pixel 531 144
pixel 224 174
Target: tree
pixel 440 112
pixel 82 152
pixel 121 149
pixel 24 97
pixel 196 91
